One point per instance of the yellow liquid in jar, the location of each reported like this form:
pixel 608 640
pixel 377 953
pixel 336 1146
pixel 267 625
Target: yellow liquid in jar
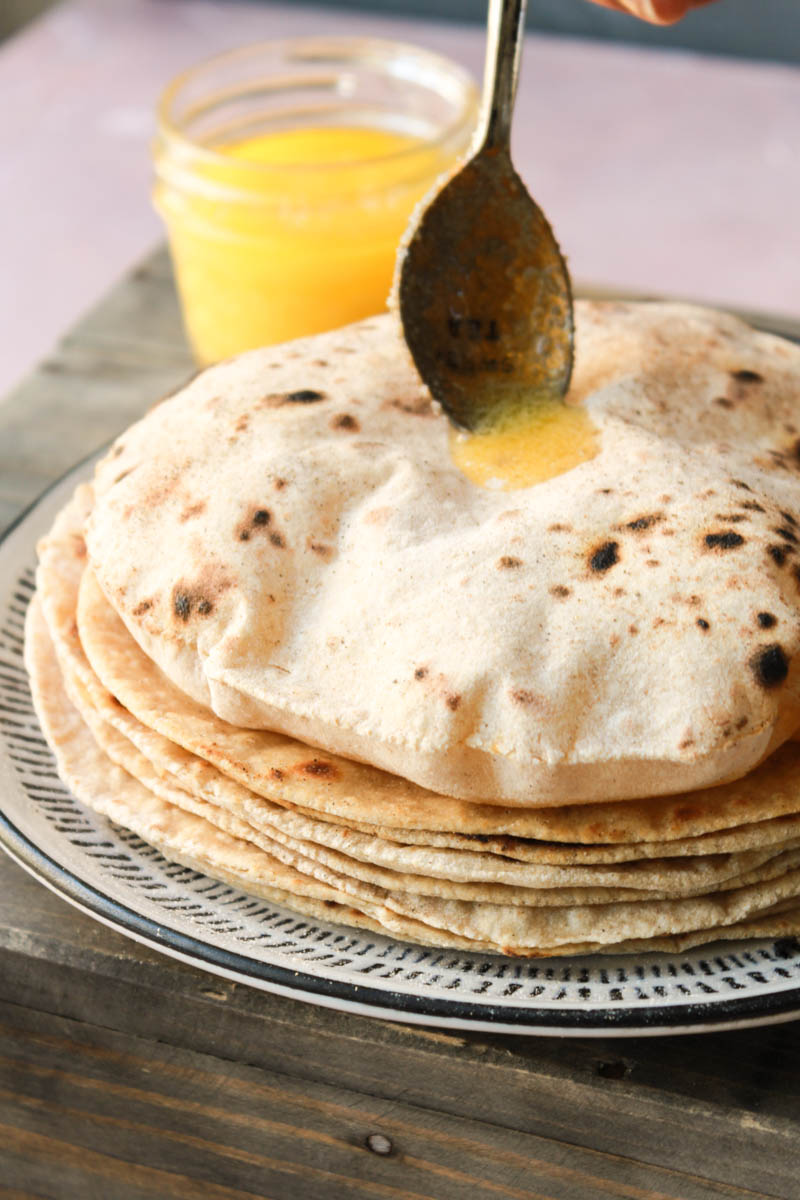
pixel 525 445
pixel 291 233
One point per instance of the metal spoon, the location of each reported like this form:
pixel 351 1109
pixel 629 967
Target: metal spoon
pixel 483 292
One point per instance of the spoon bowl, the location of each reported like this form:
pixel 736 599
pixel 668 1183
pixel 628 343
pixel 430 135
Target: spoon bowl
pixel 482 288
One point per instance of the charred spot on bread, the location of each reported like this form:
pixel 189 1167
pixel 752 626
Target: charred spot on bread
pixel 304 396
pixel 727 539
pixel 640 524
pixel 185 603
pixel 604 557
pixel 318 768
pixel 182 605
pixel 199 595
pixel 345 423
pixel 770 665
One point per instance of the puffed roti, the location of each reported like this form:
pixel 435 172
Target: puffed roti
pixel 289 541
pixel 177 732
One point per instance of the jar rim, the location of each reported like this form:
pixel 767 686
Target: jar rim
pixel 357 49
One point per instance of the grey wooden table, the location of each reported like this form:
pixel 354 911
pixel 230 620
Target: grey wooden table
pixel 125 1075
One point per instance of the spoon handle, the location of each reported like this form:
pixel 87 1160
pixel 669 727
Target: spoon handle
pixel 503 54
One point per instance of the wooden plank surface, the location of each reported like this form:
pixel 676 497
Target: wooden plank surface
pixel 152 1120
pixel 647 1105
pixel 100 377
pixel 126 1074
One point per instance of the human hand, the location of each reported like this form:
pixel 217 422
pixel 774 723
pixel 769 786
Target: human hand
pixel 657 12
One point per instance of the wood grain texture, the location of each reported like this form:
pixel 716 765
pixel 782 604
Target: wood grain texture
pixel 134 1115
pixel 124 1074
pixel 117 362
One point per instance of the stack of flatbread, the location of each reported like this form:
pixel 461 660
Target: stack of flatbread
pixel 282 638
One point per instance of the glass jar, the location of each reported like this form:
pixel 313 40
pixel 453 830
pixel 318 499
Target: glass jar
pixel 286 173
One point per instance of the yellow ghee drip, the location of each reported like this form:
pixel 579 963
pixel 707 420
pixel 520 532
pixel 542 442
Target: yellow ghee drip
pixel 526 444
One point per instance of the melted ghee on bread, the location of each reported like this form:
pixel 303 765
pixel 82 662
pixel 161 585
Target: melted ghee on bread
pixel 526 444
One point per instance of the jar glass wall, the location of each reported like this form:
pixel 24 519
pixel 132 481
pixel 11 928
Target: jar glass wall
pixel 286 174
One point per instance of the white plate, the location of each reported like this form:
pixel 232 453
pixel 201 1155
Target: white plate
pixel 118 879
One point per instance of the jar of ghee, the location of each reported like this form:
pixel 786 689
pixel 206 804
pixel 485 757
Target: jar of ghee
pixel 286 173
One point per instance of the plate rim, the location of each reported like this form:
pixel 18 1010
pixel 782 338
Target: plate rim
pixel 652 1021
pixel 649 1019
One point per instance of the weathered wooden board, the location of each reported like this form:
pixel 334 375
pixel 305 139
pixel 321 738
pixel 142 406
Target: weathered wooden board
pixel 124 1074
pixel 117 362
